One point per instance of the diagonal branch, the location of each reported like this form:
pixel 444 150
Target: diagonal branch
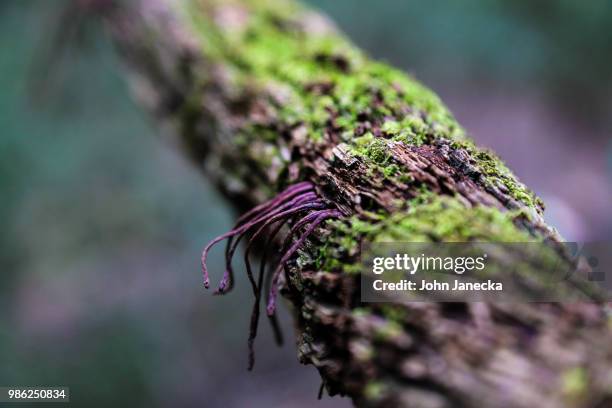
pixel 265 94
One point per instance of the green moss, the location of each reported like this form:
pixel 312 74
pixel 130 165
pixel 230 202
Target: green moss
pixel 266 51
pixel 391 170
pixel 269 51
pixel 361 312
pixel 498 175
pixel 389 330
pixel 369 147
pixel 362 350
pixel 376 153
pixel 574 382
pixel 429 218
pixel 374 390
pixel 391 127
pixel 441 218
pixel 393 313
pixel 495 170
pixel 398 88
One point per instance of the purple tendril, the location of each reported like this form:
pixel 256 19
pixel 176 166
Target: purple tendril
pixel 271 307
pixel 261 209
pixel 305 200
pixel 299 206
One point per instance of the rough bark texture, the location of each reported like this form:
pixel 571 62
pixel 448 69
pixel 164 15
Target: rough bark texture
pixel 266 93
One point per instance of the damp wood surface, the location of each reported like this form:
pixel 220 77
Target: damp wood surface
pixel 264 94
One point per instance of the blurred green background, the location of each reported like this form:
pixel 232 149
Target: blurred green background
pixel 103 220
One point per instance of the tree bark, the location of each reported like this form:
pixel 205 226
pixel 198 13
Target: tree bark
pixel 263 94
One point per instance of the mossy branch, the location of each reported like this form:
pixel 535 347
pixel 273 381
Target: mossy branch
pixel 267 93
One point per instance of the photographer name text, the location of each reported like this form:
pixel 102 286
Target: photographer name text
pixel 457 285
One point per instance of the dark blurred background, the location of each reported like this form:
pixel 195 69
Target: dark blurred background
pixel 103 221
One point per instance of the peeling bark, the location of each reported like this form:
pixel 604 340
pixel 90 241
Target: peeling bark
pixel 387 154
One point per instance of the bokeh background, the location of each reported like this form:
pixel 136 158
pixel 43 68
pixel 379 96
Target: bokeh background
pixel 103 221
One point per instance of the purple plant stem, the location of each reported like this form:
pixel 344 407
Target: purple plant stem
pixel 276 330
pixel 305 220
pixel 282 197
pixel 271 307
pixel 252 240
pixel 300 199
pixel 299 224
pixel 285 195
pixel 205 254
pixel 257 289
pixel 237 231
pixel 302 190
pixel 273 320
pixel 274 214
pixel 304 200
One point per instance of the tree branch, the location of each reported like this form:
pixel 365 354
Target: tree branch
pixel 264 94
